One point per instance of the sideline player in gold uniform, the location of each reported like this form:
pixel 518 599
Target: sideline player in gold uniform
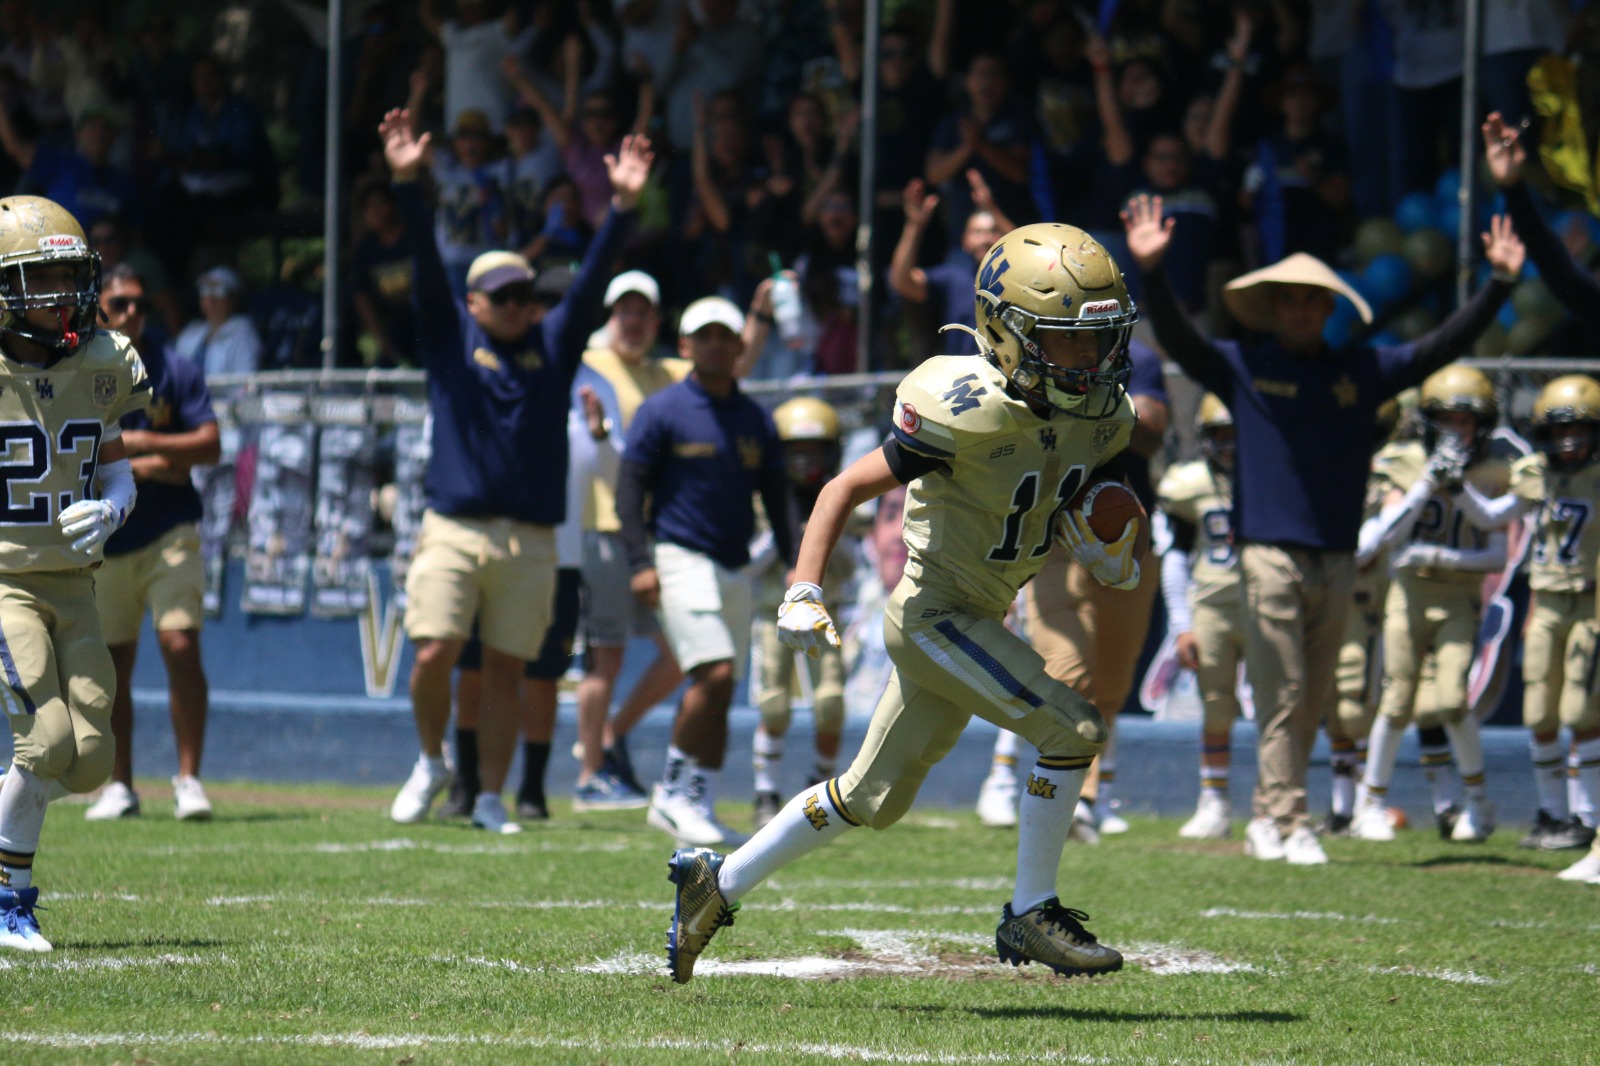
pixel 809 431
pixel 991 450
pixel 1561 484
pixel 68 486
pixel 1205 601
pixel 1438 556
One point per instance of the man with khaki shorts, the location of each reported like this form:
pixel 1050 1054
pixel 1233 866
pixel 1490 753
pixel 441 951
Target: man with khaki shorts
pixel 500 373
pixel 1305 417
pixel 153 562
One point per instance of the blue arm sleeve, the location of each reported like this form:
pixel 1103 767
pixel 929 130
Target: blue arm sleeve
pixel 567 327
pixel 438 322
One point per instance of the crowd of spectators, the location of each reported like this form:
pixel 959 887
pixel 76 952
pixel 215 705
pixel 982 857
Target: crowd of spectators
pixel 190 136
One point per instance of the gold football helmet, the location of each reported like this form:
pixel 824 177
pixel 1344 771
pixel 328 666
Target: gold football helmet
pixel 1214 422
pixel 37 233
pixel 809 429
pixel 1566 419
pixel 1052 276
pixel 1457 388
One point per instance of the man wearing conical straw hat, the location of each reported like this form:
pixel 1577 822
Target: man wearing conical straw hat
pixel 1304 415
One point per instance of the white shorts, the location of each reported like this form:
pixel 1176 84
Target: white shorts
pixel 705 608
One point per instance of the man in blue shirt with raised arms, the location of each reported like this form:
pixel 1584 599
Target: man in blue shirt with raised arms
pixel 701 449
pixel 499 383
pixel 1305 417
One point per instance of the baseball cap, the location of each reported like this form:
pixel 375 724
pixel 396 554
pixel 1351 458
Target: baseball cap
pixel 633 281
pixel 492 270
pixel 709 310
pixel 471 121
pixel 218 281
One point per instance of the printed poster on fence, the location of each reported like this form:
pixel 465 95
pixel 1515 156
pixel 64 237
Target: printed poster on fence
pixel 412 446
pixel 345 476
pixel 218 486
pixel 279 558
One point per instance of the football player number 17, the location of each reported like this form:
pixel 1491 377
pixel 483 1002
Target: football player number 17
pixel 26 459
pixel 1023 498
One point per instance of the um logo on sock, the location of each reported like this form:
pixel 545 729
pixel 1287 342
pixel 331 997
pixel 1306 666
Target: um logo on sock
pixel 815 814
pixel 1042 787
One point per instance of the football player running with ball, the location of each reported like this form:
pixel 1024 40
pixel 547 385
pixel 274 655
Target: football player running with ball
pixel 990 449
pixel 64 388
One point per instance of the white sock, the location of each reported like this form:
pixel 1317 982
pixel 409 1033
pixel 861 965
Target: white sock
pixel 766 754
pixel 1044 819
pixel 1108 771
pixel 1585 784
pixel 1006 746
pixel 701 787
pixel 805 823
pixel 24 798
pixel 1344 764
pixel 674 772
pixel 1382 747
pixel 1467 742
pixel 1550 778
pixel 1214 779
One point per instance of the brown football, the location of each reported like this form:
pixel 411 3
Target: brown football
pixel 1109 506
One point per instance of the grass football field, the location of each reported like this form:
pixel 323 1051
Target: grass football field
pixel 303 927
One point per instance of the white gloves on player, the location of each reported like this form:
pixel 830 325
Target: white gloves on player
pixel 1113 565
pixel 803 622
pixel 88 524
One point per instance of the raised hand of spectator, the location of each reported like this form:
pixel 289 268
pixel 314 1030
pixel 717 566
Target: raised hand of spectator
pixel 920 203
pixel 1098 53
pixel 403 150
pixel 1244 25
pixel 1503 248
pixel 1503 146
pixel 1148 233
pixel 629 169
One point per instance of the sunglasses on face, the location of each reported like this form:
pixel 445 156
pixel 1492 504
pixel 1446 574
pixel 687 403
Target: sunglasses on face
pixel 521 295
pixel 119 305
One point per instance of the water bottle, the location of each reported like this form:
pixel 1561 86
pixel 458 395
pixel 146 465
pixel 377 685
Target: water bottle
pixel 785 304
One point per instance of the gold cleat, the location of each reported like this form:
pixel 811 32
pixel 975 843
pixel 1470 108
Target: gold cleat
pixel 698 909
pixel 1054 935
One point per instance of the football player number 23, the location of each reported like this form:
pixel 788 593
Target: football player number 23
pixel 26 459
pixel 1023 498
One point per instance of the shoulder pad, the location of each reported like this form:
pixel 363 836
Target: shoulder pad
pixel 947 402
pixel 1185 481
pixel 1400 464
pixel 1528 474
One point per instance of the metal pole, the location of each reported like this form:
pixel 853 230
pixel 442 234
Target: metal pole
pixel 1469 151
pixel 331 187
pixel 868 134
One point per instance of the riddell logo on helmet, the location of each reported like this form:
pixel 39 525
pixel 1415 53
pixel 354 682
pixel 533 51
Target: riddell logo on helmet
pixel 61 242
pixel 1100 307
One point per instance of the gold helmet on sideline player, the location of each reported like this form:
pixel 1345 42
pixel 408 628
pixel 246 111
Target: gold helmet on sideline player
pixel 35 232
pixel 803 421
pixel 1462 389
pixel 1566 419
pixel 1052 276
pixel 1214 422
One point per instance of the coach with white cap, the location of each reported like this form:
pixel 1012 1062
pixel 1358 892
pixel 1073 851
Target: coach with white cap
pixel 699 450
pixel 1305 418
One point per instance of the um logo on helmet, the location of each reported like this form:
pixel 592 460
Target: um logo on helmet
pixel 989 275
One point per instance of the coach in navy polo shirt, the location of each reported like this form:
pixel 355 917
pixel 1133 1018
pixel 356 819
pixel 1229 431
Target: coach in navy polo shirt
pixel 700 450
pixel 1305 417
pixel 500 372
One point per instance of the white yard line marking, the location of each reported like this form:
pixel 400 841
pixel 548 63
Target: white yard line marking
pixel 1297 916
pixel 387 1042
pixel 964 884
pixel 108 962
pixel 1455 977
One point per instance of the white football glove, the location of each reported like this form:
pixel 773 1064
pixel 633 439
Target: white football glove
pixel 803 622
pixel 88 524
pixel 1113 565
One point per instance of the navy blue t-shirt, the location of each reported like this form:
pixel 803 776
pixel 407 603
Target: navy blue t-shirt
pixel 500 409
pixel 87 191
pixel 179 403
pixel 950 291
pixel 704 459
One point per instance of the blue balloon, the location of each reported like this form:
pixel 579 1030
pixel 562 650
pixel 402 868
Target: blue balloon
pixel 1416 211
pixel 1507 316
pixel 1386 339
pixel 1388 279
pixel 1448 219
pixel 1447 187
pixel 1336 332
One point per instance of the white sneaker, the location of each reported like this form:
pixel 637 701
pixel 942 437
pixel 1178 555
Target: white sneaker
pixel 1372 821
pixel 189 802
pixel 411 803
pixel 116 801
pixel 678 816
pixel 1474 824
pixel 1210 821
pixel 1085 826
pixel 1304 849
pixel 1586 869
pixel 489 812
pixel 997 800
pixel 1111 823
pixel 1262 840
